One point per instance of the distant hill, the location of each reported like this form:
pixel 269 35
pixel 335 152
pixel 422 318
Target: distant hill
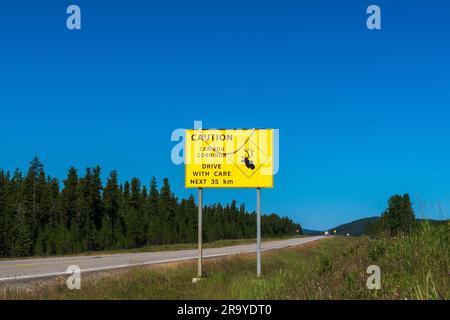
pixel 308 232
pixel 355 228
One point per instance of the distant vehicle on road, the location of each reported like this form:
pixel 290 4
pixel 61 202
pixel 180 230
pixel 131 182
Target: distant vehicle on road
pixel 326 233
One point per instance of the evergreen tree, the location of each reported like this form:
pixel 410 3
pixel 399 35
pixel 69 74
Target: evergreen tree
pixel 89 202
pixel 24 240
pixel 3 230
pixel 408 218
pixel 30 193
pixel 398 219
pixel 36 170
pixel 135 218
pixel 95 197
pixel 399 216
pixel 167 208
pixel 55 203
pixel 111 202
pixel 153 217
pixel 69 198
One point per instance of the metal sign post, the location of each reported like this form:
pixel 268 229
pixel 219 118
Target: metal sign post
pixel 200 231
pixel 258 232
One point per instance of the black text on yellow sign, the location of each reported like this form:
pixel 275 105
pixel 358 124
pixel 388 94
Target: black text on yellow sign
pixel 229 158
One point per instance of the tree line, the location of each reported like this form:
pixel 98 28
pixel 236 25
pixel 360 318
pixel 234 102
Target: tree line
pixel 38 216
pixel 397 219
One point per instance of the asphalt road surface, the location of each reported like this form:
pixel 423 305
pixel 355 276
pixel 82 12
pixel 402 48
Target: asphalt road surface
pixel 18 270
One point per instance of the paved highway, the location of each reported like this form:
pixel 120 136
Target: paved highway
pixel 16 270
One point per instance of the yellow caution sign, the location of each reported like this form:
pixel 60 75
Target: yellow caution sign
pixel 229 158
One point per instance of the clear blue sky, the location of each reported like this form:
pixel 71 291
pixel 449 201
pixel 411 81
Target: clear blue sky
pixel 362 114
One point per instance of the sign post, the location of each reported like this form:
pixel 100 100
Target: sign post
pixel 258 232
pixel 200 232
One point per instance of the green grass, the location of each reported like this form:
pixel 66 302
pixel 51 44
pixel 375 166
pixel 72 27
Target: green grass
pixel 413 267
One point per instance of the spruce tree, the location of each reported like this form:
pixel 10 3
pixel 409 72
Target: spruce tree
pixel 154 222
pixel 69 198
pixel 30 191
pixel 167 207
pixel 95 195
pixel 23 244
pixel 3 188
pixel 111 202
pixel 398 218
pixel 135 218
pixel 408 216
pixel 88 204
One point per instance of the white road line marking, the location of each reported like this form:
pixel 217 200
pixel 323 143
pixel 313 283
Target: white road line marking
pixel 54 274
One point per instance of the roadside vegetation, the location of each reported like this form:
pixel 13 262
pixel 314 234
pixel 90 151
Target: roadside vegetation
pixel 415 266
pixel 413 256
